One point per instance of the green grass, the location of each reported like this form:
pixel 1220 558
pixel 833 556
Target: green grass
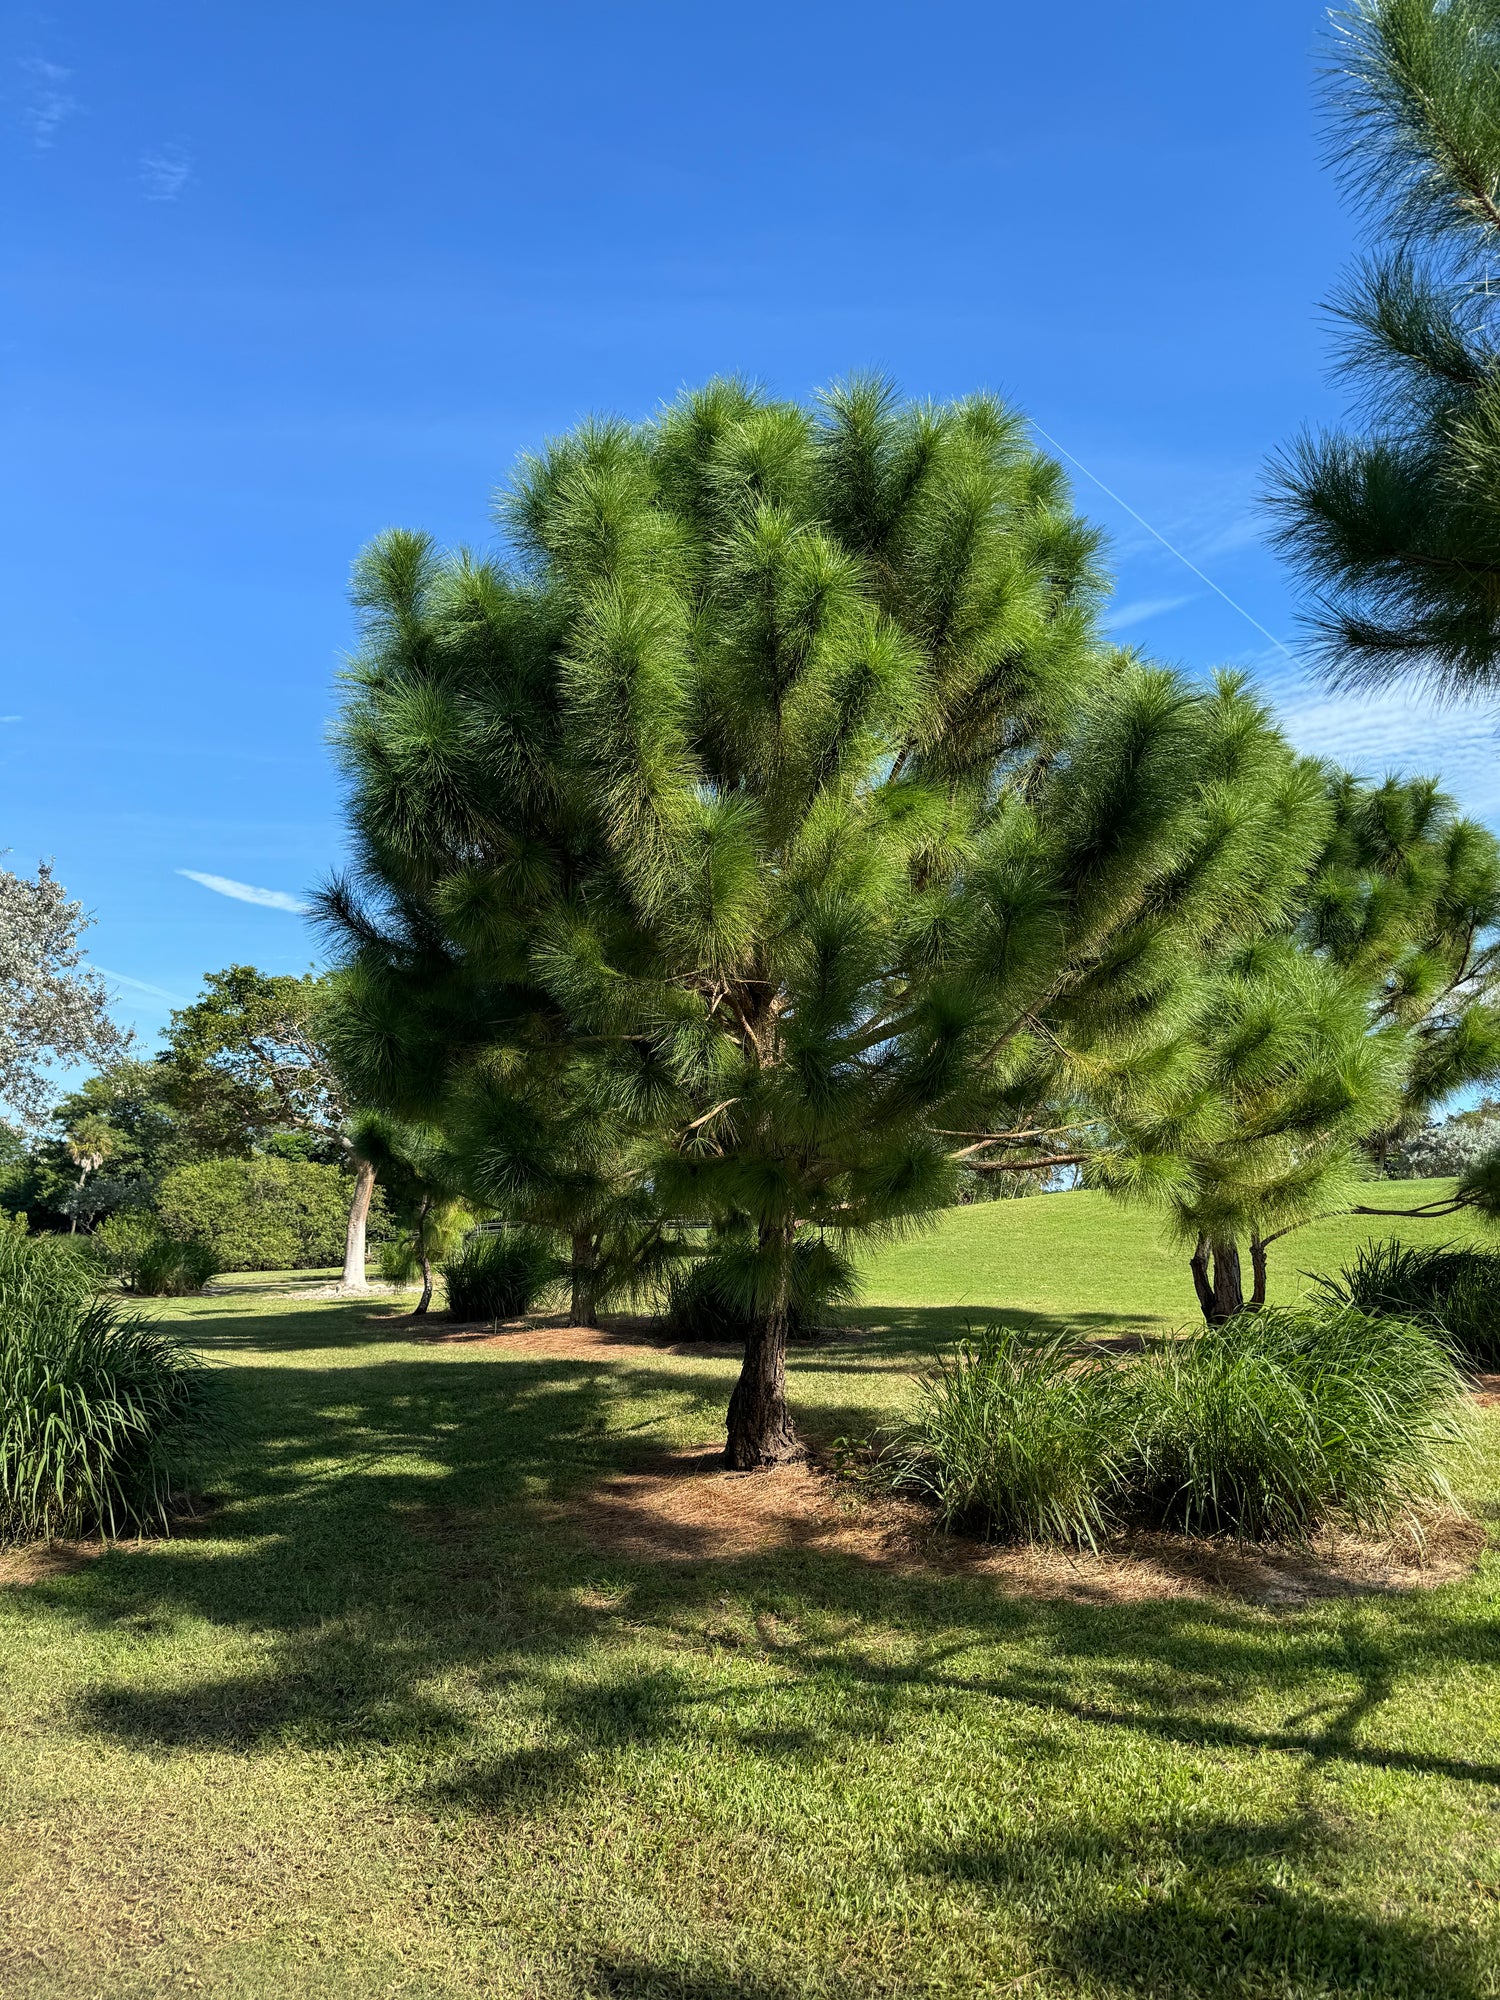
pixel 392 1724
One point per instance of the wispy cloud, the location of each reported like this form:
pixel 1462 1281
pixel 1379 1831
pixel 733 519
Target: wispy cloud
pixel 1376 733
pixel 48 102
pixel 246 892
pixel 165 173
pixel 1142 608
pixel 12 718
pixel 142 986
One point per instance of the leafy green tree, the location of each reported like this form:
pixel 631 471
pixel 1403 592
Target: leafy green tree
pixel 53 1008
pixel 1397 527
pixel 247 1069
pixel 778 814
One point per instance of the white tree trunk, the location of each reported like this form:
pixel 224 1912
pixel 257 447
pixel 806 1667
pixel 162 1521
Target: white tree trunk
pixel 354 1279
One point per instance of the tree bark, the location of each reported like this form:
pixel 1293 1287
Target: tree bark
pixel 1203 1283
pixel 354 1279
pixel 1258 1270
pixel 1229 1289
pixel 422 1257
pixel 761 1431
pixel 1215 1266
pixel 585 1272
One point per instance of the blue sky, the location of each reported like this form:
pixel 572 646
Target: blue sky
pixel 277 277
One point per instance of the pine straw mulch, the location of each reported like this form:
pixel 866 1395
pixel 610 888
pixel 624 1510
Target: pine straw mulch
pixel 684 1507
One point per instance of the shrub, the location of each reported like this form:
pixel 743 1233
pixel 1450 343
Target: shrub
pixel 263 1214
pixel 96 1404
pixel 1279 1421
pixel 713 1297
pixel 147 1259
pixel 1456 1288
pixel 1015 1439
pixel 170 1268
pixel 1438 1151
pixel 499 1274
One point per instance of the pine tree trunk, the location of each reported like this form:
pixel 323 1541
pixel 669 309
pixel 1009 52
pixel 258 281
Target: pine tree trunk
pixel 585 1307
pixel 1215 1266
pixel 761 1431
pixel 1203 1283
pixel 354 1279
pixel 1258 1271
pixel 422 1257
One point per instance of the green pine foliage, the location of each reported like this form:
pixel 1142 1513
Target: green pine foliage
pixel 772 836
pixel 1323 1039
pixel 1396 526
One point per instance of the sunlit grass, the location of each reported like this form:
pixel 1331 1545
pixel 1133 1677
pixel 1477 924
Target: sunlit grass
pixel 392 1724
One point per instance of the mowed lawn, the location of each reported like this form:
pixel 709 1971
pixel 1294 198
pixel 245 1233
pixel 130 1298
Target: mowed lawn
pixel 394 1720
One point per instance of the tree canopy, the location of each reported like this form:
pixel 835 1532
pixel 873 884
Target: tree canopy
pixel 1397 526
pixel 777 813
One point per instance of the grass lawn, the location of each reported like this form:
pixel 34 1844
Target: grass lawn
pixel 392 1721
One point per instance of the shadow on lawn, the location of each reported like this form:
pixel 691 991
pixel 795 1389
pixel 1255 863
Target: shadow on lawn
pixel 398 1526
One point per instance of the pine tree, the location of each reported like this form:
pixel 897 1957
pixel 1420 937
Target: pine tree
pixel 1323 1039
pixel 777 819
pixel 1398 527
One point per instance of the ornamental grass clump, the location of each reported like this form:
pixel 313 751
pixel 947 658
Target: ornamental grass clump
pixel 499 1275
pixel 97 1404
pixel 1456 1288
pixel 1281 1422
pixel 1017 1440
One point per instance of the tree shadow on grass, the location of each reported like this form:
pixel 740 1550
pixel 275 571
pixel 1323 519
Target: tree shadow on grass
pixel 397 1541
pixel 1202 1911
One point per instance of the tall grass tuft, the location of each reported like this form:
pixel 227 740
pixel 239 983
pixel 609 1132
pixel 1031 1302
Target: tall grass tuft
pixel 499 1275
pixel 1016 1440
pixel 1281 1421
pixel 1456 1287
pixel 96 1404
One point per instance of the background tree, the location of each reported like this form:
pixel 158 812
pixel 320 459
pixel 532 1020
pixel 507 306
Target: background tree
pixel 53 1009
pixel 1397 527
pixel 781 802
pixel 423 1194
pixel 1322 1041
pixel 247 1069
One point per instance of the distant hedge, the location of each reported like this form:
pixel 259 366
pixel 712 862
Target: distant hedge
pixel 263 1215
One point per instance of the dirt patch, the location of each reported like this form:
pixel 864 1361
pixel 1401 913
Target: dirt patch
pixel 685 1507
pixel 556 1337
pixel 1486 1390
pixel 42 1562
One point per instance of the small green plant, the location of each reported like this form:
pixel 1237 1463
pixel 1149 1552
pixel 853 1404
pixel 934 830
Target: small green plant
pixel 170 1268
pixel 499 1274
pixel 96 1404
pixel 1456 1287
pixel 1017 1439
pixel 1280 1421
pixel 714 1296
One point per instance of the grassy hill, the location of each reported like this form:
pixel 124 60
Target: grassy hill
pixel 1087 1259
